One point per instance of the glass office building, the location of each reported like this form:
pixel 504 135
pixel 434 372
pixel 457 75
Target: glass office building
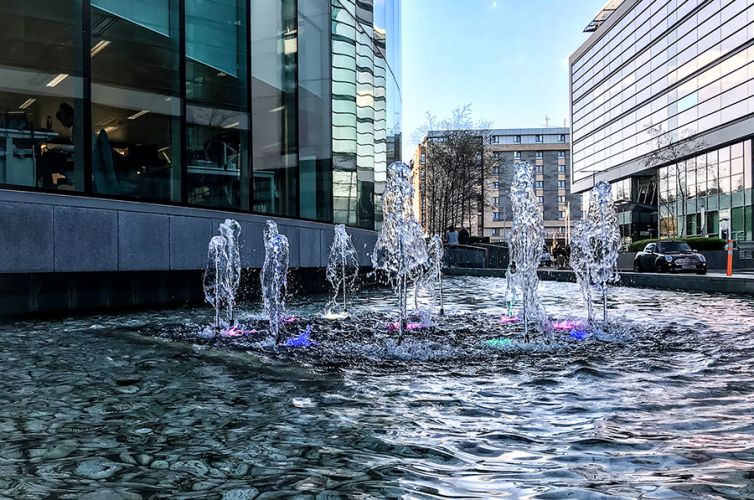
pixel 278 107
pixel 662 100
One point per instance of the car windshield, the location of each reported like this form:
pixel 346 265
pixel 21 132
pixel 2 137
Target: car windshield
pixel 673 246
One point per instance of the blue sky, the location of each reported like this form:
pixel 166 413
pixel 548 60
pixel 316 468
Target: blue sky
pixel 507 58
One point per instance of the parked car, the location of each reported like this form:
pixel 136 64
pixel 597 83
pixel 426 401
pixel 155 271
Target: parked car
pixel 670 256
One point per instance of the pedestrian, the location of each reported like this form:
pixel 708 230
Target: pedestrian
pixel 464 238
pixel 451 237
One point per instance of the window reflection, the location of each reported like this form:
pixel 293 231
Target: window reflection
pixel 135 103
pixel 314 97
pixel 41 90
pixel 217 120
pixel 682 197
pixel 274 49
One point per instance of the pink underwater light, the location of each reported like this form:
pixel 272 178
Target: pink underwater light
pixel 507 320
pixel 235 331
pixel 393 327
pixel 567 324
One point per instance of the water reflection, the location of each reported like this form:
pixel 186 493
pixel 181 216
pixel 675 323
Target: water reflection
pixel 89 408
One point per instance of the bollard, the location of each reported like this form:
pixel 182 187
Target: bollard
pixel 730 258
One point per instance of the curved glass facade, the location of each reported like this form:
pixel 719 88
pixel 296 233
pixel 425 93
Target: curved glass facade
pixel 280 107
pixel 366 106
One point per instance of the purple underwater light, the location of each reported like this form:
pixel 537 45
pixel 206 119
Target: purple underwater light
pixel 303 340
pixel 568 324
pixel 579 334
pixel 507 320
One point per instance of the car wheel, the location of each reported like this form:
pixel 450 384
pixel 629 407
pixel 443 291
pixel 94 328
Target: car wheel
pixel 637 267
pixel 702 272
pixel 659 268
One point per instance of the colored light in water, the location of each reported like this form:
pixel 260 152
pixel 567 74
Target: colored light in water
pixel 579 334
pixel 567 324
pixel 499 342
pixel 393 327
pixel 506 320
pixel 303 340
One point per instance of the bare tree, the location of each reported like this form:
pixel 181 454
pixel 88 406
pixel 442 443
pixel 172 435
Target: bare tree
pixel 668 150
pixel 455 164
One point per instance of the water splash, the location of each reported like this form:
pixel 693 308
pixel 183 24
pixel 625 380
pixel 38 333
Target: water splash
pixel 222 275
pixel 400 253
pixel 525 243
pixel 606 240
pixel 215 292
pixel 594 247
pixel 342 270
pixel 230 231
pixel 429 284
pixel 274 277
pixel 581 262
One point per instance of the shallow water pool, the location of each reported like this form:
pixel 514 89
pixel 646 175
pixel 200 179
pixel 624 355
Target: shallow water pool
pixel 116 407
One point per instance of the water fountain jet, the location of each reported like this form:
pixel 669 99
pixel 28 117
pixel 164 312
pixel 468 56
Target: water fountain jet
pixel 430 281
pixel 525 243
pixel 400 252
pixel 274 277
pixel 222 275
pixel 594 248
pixel 342 269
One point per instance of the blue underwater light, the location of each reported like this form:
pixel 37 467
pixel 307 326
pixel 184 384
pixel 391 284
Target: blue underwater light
pixel 579 334
pixel 303 340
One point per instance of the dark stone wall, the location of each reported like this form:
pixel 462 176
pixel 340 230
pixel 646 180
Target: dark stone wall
pixel 51 233
pixel 37 295
pixel 63 253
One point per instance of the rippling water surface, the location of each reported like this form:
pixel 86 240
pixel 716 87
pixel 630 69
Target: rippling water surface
pixel 116 407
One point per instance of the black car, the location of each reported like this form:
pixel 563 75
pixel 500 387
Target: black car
pixel 670 256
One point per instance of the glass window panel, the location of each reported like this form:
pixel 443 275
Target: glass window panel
pixel 737 220
pixel 217 121
pixel 314 97
pixel 737 150
pixel 274 47
pixel 135 99
pixel 724 184
pixel 713 177
pixel 41 90
pixel 725 201
pixel 712 203
pixel 712 223
pixel 737 166
pixel 691 182
pixel 724 153
pixel 737 182
pixel 724 168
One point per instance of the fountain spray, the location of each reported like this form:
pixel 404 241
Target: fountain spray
pixel 222 275
pixel 400 252
pixel 581 262
pixel 429 282
pixel 342 265
pixel 215 291
pixel 594 248
pixel 605 240
pixel 436 252
pixel 525 243
pixel 230 231
pixel 274 276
